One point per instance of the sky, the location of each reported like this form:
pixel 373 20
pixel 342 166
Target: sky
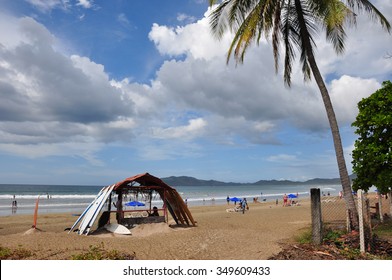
pixel 94 91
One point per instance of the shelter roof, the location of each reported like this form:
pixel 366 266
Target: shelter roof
pixel 144 180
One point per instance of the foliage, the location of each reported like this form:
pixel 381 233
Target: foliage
pixel 14 254
pixel 332 235
pixel 372 155
pixel 99 253
pixel 305 237
pixel 384 230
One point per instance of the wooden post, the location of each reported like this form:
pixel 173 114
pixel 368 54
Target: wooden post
pixel 380 208
pixel 316 216
pixel 110 206
pixel 35 213
pixel 360 217
pixel 368 226
pixel 390 202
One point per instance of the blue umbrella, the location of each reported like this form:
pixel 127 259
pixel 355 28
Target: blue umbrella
pixel 292 196
pixel 235 199
pixel 134 203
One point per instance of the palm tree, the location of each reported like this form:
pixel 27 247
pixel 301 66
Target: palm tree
pixel 293 23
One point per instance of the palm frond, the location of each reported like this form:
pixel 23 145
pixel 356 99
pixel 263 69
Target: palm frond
pixel 371 10
pixel 245 35
pixel 333 18
pixel 290 36
pixel 276 33
pixel 218 20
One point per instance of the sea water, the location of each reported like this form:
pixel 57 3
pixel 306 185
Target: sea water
pixel 74 199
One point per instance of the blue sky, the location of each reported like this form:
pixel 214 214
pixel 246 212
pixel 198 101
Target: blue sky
pixel 92 92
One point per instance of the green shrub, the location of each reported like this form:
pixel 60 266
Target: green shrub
pixel 14 254
pixel 99 253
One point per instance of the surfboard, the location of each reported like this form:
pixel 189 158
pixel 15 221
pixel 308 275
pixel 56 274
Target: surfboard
pixel 91 211
pixel 117 229
pixel 86 210
pixel 95 210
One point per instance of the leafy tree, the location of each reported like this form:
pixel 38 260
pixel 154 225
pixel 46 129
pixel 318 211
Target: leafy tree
pixel 293 23
pixel 372 155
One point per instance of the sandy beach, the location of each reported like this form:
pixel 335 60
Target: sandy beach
pixel 257 234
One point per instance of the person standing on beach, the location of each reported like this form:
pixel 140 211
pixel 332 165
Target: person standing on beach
pixel 244 205
pixel 228 200
pixel 285 198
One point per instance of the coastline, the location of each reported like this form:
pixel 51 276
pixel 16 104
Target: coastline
pixel 219 234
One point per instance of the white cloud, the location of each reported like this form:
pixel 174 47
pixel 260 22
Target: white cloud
pixel 194 128
pixel 252 91
pixel 87 4
pixel 49 98
pixel 40 150
pixel 193 40
pixel 282 158
pixel 346 92
pixel 181 17
pixel 48 5
pixel 122 18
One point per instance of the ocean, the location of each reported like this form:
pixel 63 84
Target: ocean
pixel 74 199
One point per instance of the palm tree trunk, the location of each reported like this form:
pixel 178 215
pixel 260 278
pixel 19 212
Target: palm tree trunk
pixel 344 178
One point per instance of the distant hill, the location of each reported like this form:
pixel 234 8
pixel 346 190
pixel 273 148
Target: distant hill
pixel 191 181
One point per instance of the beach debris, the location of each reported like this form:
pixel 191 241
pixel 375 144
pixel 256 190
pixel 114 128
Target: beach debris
pixel 338 250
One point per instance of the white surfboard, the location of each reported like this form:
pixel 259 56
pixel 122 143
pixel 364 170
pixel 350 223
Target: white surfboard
pixel 86 210
pixel 117 228
pixel 97 210
pixel 94 208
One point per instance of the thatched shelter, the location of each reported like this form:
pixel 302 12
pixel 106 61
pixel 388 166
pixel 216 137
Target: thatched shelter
pixel 144 186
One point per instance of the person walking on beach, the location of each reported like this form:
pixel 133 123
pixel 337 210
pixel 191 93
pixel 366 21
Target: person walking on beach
pixel 228 200
pixel 244 205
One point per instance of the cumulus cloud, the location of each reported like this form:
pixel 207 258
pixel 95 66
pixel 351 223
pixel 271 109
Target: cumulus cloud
pixel 194 128
pixel 193 40
pixel 347 91
pixel 50 99
pixel 253 91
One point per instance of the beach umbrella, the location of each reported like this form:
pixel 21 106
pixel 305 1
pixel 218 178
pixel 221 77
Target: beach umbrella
pixel 134 203
pixel 235 199
pixel 292 196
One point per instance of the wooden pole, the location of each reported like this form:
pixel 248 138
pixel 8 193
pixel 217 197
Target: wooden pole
pixel 390 202
pixel 368 226
pixel 316 216
pixel 360 217
pixel 380 208
pixel 35 213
